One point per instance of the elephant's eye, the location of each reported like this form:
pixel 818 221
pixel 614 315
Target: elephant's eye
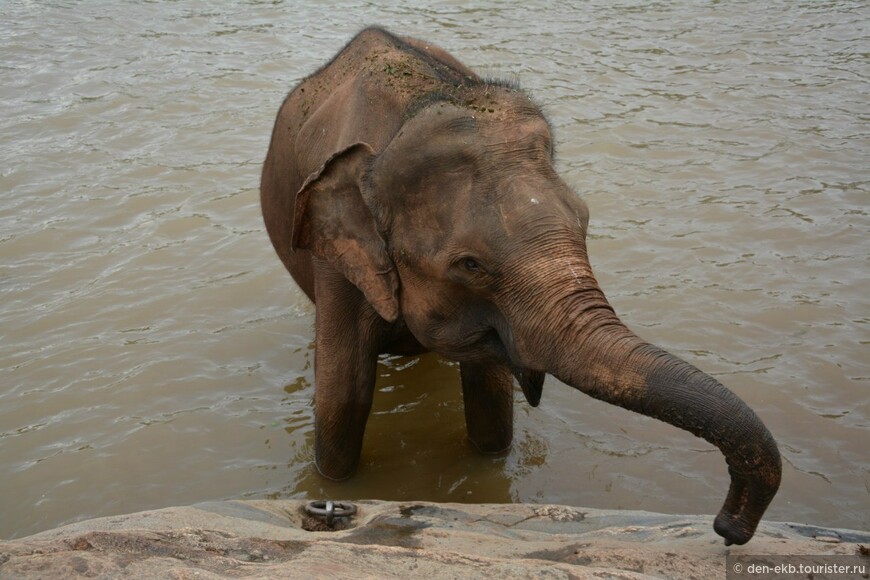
pixel 471 265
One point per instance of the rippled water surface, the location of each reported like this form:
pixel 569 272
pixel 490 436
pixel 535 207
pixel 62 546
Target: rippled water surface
pixel 154 352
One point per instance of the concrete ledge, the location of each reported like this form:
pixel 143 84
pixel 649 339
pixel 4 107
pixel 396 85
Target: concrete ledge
pixel 266 539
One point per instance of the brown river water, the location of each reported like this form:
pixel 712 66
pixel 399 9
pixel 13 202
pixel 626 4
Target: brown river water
pixel 154 352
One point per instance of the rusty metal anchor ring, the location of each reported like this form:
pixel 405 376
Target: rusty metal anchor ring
pixel 329 510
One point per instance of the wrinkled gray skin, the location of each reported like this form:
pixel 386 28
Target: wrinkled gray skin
pixel 418 207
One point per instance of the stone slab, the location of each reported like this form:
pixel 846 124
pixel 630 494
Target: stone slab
pixel 268 539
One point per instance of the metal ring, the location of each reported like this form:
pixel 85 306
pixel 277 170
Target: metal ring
pixel 329 510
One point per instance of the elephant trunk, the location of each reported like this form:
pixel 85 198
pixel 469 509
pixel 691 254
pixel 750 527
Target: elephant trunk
pixel 599 355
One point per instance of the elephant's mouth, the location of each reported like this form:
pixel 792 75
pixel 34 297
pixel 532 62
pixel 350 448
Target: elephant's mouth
pixel 490 346
pixel 491 341
pixel 531 381
pixel 480 346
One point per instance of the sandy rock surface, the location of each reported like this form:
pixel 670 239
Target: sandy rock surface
pixel 268 539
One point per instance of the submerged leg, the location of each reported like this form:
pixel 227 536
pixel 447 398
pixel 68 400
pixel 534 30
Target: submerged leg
pixel 345 365
pixel 487 392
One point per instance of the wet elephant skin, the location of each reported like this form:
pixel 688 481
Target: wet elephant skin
pixel 416 204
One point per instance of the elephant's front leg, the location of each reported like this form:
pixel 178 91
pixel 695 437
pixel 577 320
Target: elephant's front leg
pixel 487 391
pixel 345 366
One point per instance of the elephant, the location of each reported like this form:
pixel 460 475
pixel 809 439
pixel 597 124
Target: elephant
pixel 416 204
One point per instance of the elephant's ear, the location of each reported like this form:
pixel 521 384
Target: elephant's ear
pixel 332 220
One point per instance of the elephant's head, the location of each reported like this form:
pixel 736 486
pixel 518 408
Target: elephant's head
pixel 489 246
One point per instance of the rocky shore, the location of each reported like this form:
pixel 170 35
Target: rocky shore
pixel 270 539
